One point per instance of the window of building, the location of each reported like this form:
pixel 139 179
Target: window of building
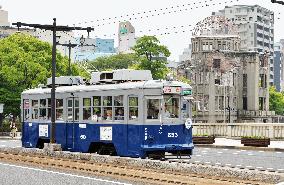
pixel 87 109
pixel 42 109
pixel 34 109
pixel 245 105
pixel 216 63
pixel 261 80
pixel 118 108
pixel 59 109
pixel 97 109
pixel 260 102
pixel 153 108
pixel 133 108
pixel 245 80
pixel 107 108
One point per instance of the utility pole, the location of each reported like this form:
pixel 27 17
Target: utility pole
pixel 54 28
pixel 70 46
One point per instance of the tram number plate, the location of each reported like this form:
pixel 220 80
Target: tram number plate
pixel 172 90
pixel 172 134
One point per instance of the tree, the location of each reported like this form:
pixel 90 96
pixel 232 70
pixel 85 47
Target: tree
pixel 149 50
pixel 276 101
pixel 119 61
pixel 25 62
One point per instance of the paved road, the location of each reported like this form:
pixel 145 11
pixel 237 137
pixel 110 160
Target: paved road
pixel 10 143
pixel 262 160
pixel 250 159
pixel 22 175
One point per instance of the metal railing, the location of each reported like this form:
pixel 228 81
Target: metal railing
pixel 238 130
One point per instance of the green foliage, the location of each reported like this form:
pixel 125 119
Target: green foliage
pixel 6 126
pixel 149 50
pixel 119 61
pixel 202 135
pixel 25 62
pixel 149 47
pixel 276 101
pixel 158 68
pixel 255 137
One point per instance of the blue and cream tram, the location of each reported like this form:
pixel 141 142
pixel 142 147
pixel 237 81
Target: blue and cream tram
pixel 123 112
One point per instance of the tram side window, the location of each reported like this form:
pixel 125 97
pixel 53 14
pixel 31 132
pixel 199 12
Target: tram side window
pixel 42 109
pixel 118 108
pixel 49 108
pixel 76 103
pixel 69 109
pixel 97 109
pixel 153 108
pixel 26 109
pixel 34 109
pixel 59 109
pixel 133 108
pixel 172 107
pixel 86 108
pixel 107 107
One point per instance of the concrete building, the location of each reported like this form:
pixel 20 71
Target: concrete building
pixel 6 30
pixel 96 47
pixel 4 18
pixel 62 38
pixel 278 66
pixel 255 28
pixel 186 54
pixel 126 37
pixel 229 84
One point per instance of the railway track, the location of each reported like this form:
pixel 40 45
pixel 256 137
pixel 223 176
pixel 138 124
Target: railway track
pixel 128 173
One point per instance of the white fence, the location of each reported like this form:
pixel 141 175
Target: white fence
pixel 237 130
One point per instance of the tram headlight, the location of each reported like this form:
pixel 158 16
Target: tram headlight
pixel 188 123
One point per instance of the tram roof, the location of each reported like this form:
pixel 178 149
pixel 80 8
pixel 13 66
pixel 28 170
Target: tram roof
pixel 151 84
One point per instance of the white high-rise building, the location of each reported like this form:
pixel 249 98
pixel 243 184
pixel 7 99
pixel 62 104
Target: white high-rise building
pixel 186 54
pixel 126 37
pixel 4 17
pixel 255 28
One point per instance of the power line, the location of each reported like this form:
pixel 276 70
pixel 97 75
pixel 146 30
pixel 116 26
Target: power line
pixel 157 12
pixel 54 28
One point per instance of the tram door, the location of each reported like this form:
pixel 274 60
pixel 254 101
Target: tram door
pixel 133 129
pixel 72 118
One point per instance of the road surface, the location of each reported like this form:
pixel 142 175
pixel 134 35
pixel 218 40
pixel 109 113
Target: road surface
pixel 250 159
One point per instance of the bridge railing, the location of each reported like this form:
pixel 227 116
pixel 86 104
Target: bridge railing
pixel 238 130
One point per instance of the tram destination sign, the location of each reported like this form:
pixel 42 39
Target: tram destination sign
pixel 172 90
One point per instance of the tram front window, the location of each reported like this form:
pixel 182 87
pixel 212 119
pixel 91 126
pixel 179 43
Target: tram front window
pixel 153 108
pixel 172 107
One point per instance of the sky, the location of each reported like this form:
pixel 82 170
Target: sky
pixel 104 16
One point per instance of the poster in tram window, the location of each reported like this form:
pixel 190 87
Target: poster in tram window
pixel 105 133
pixel 43 130
pixel 172 90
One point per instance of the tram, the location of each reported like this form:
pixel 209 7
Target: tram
pixel 122 112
